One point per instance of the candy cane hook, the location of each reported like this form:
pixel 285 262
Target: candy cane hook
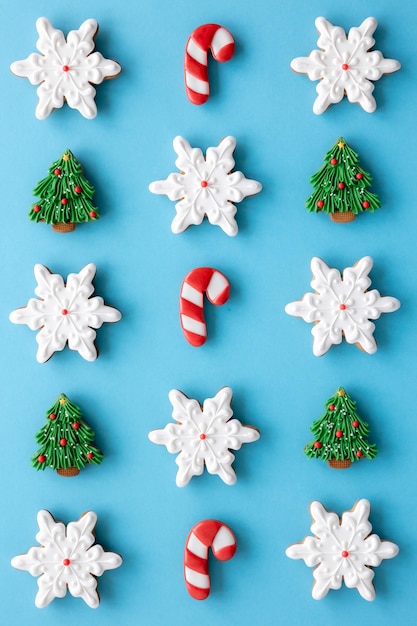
pixel 204 535
pixel 206 37
pixel 200 281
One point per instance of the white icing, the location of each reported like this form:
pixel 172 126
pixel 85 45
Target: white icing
pixel 222 434
pixel 75 543
pixel 224 187
pixel 337 50
pixel 74 85
pixel 65 313
pixel 349 535
pixel 332 322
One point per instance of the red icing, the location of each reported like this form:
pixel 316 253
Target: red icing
pixel 65 68
pixel 359 454
pixel 64 311
pixel 57 172
pixel 345 554
pixel 64 201
pixel 339 434
pixel 345 66
pixel 36 208
pixel 90 455
pixel 203 436
pixel 333 161
pixel 366 204
pixel 342 307
pixel 75 425
pixel 341 185
pixel 317 444
pixel 204 183
pixel 359 176
pixel 77 189
pixel 41 458
pixel 52 416
pixel 355 424
pixel 320 204
pixel 331 407
pixel 66 562
pixel 63 442
pixel 93 214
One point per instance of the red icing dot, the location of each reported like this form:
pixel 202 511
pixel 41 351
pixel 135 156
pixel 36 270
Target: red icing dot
pixel 331 407
pixel 341 185
pixel 333 161
pixel 204 183
pixel 345 66
pixel 320 204
pixel 52 416
pixel 41 458
pixel 64 201
pixel 57 172
pixel 203 436
pixel 90 455
pixel 317 444
pixel 77 189
pixel 64 311
pixel 66 562
pixel 36 208
pixel 355 424
pixel 359 454
pixel 345 554
pixel 366 204
pixel 359 176
pixel 342 307
pixel 75 425
pixel 93 214
pixel 63 442
pixel 339 434
pixel 65 68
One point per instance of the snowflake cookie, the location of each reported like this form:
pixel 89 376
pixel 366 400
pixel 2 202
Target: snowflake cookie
pixel 65 313
pixel 66 69
pixel 342 550
pixel 205 186
pixel 68 558
pixel 345 65
pixel 203 435
pixel 342 306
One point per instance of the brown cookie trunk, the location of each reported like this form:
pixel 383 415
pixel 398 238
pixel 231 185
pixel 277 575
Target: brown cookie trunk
pixel 63 227
pixel 339 464
pixel 342 217
pixel 68 471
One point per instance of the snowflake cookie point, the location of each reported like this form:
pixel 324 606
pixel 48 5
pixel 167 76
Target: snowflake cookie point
pixel 66 69
pixel 65 313
pixel 345 65
pixel 204 436
pixel 68 559
pixel 343 550
pixel 341 307
pixel 205 186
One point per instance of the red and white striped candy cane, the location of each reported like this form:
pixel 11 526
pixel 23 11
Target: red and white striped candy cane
pixel 200 281
pixel 204 38
pixel 204 535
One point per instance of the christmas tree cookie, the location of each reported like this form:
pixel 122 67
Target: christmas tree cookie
pixel 340 435
pixel 341 185
pixel 65 196
pixel 65 440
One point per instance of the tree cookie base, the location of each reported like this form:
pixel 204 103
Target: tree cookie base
pixel 339 464
pixel 68 471
pixel 63 227
pixel 342 217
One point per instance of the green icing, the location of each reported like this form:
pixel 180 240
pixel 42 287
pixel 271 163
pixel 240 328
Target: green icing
pixel 326 183
pixel 56 187
pixel 79 440
pixel 340 418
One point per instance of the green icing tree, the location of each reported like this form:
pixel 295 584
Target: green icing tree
pixel 341 185
pixel 65 196
pixel 65 440
pixel 340 436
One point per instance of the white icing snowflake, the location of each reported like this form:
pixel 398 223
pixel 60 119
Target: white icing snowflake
pixel 203 436
pixel 345 65
pixel 341 307
pixel 342 550
pixel 66 68
pixel 205 186
pixel 65 313
pixel 67 558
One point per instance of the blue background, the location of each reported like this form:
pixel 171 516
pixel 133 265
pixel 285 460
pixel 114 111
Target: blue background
pixel 254 347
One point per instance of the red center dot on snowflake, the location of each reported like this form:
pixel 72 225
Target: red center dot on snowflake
pixel 64 311
pixel 65 68
pixel 66 562
pixel 345 554
pixel 203 436
pixel 345 66
pixel 342 307
pixel 204 183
